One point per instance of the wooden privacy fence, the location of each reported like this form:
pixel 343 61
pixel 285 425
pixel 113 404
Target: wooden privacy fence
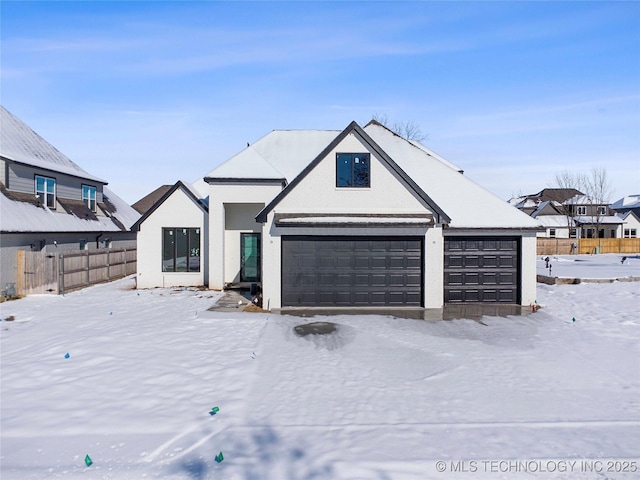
pixel 562 246
pixel 61 272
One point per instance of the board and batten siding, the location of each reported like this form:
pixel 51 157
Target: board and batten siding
pixel 21 178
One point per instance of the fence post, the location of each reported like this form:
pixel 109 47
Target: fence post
pixel 108 269
pixel 61 274
pixel 125 261
pixel 88 277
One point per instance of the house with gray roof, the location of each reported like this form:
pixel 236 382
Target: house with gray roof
pixel 48 202
pixel 353 218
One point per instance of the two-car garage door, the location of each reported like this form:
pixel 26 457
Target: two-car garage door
pixel 352 271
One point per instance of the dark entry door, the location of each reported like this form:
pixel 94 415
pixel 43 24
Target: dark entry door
pixel 482 270
pixel 352 271
pixel 250 257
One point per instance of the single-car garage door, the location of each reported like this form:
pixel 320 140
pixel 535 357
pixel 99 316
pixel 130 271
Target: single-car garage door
pixel 481 270
pixel 351 271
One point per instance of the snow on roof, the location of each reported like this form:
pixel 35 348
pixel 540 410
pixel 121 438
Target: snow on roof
pixel 555 221
pixel 285 153
pixel 21 144
pixel 25 217
pixel 279 154
pixel 465 202
pixel 579 200
pixel 434 154
pixel 603 220
pixel 124 213
pixel 630 201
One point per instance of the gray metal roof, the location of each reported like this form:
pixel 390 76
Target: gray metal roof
pixel 21 144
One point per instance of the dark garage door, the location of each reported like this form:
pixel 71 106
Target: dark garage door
pixel 481 270
pixel 351 271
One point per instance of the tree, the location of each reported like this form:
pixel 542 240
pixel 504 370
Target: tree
pixel 598 189
pixel 409 130
pixel 569 181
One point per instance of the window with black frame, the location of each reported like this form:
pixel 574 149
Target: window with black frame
pixel 180 249
pixel 353 170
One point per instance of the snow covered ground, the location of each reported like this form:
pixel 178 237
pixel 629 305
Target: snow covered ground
pixel 535 396
pixel 593 267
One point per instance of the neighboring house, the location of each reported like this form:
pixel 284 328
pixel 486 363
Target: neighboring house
pixel 631 226
pixel 626 204
pixel 556 196
pixel 568 213
pixel 48 202
pixel 556 224
pixel 593 220
pixel 359 217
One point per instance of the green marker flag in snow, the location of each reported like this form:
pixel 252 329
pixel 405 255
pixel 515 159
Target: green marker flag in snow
pixel 574 319
pixel 87 461
pixel 219 457
pixel 214 410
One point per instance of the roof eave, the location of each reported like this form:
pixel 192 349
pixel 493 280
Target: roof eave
pixel 179 185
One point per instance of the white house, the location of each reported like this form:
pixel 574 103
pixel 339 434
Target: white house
pixel 352 218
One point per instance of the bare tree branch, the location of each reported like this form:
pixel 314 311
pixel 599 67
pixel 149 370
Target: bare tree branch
pixel 408 130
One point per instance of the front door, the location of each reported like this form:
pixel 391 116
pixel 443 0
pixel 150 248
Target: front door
pixel 250 257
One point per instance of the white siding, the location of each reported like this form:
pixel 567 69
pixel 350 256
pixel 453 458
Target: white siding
pixel 179 210
pixel 317 192
pixel 222 250
pixel 239 218
pixel 528 268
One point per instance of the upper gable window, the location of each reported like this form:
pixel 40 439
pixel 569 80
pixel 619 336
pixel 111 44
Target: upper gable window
pixel 352 170
pixel 46 190
pixel 582 210
pixel 89 196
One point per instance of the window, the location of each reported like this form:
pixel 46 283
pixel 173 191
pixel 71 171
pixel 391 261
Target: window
pixel 582 211
pixel 630 233
pixel 180 249
pixel 552 233
pixel 352 170
pixel 46 190
pixel 89 197
pixel 602 210
pixel 573 232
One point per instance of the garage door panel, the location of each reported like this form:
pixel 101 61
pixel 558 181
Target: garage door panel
pixel 481 269
pixel 352 271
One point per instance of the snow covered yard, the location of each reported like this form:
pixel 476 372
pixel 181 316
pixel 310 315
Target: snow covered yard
pixel 537 396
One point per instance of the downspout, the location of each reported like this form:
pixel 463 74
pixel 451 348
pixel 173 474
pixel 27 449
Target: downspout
pixel 98 240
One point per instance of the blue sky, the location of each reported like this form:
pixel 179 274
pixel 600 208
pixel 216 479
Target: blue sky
pixel 146 93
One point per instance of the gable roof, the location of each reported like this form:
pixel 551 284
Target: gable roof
pixel 458 201
pixel 628 202
pixel 354 127
pixel 547 208
pixel 187 189
pixel 20 144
